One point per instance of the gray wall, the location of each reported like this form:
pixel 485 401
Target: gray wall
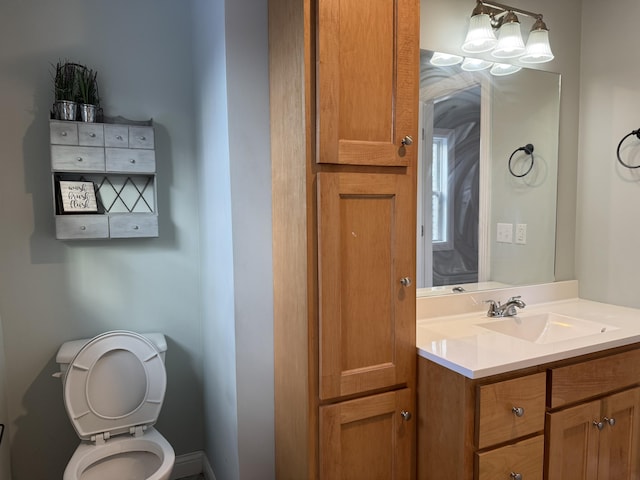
pixel 5 471
pixel 53 291
pixel 235 192
pixel 443 27
pixel 608 220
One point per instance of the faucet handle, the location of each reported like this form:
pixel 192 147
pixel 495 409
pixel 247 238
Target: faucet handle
pixel 493 307
pixel 517 297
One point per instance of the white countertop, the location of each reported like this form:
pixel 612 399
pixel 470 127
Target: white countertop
pixel 458 343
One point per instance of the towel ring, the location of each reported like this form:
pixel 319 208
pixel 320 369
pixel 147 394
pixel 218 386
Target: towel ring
pixel 528 149
pixel 637 134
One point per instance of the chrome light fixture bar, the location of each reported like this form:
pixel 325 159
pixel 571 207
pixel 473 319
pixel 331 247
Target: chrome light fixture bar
pixel 489 15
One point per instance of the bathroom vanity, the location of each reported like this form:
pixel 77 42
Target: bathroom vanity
pixel 494 404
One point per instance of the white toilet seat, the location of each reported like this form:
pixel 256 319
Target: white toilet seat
pixel 113 391
pixel 87 455
pixel 115 384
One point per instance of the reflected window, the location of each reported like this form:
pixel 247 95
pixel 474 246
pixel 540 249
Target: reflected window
pixel 442 201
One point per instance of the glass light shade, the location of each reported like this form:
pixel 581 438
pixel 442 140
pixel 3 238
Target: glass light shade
pixel 480 36
pixel 502 69
pixel 440 59
pixel 538 49
pixel 475 64
pixel 510 42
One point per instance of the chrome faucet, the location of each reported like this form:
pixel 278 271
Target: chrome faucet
pixel 506 310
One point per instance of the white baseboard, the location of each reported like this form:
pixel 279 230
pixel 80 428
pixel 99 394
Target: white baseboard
pixel 192 464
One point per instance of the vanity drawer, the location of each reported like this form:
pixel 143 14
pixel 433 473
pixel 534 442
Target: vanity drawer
pixel 77 159
pixel 525 457
pixel 497 418
pixel 63 133
pixel 91 134
pixel 77 227
pixel 592 378
pixel 133 225
pixel 130 160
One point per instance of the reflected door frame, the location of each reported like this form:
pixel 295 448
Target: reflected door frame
pixel 424 253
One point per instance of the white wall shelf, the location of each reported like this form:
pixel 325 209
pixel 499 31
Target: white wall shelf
pixel 119 159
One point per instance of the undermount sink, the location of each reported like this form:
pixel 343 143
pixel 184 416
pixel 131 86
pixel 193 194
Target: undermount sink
pixel 546 327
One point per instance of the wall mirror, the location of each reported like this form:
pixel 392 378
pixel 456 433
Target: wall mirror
pixel 482 224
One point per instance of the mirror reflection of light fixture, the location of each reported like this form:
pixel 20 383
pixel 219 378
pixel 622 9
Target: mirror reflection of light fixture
pixel 502 69
pixel 440 59
pixel 489 15
pixel 475 64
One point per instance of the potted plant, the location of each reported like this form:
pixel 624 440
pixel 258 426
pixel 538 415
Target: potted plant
pixel 65 89
pixel 88 93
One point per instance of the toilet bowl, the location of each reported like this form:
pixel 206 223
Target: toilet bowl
pixel 114 386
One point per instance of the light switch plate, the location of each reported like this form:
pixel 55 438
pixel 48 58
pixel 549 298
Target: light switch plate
pixel 521 233
pixel 505 233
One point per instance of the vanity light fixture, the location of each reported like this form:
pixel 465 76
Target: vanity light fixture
pixel 489 15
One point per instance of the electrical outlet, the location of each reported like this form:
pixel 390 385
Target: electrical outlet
pixel 505 233
pixel 521 233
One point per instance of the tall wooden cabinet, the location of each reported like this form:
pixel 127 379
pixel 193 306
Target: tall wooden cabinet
pixel 344 99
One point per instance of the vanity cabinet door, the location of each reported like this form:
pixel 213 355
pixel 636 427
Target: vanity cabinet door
pixel 368 438
pixel 573 443
pixel 367 84
pixel 619 455
pixel 597 440
pixel 366 264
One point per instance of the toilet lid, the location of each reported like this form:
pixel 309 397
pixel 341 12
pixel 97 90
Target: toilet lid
pixel 115 383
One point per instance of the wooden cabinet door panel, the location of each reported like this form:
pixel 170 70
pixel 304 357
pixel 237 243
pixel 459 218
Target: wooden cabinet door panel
pixel 367 438
pixel 366 314
pixel 618 455
pixel 573 443
pixel 367 81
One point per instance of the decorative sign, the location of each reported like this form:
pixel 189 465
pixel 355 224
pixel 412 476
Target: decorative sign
pixel 78 197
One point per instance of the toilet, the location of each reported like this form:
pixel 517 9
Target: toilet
pixel 114 386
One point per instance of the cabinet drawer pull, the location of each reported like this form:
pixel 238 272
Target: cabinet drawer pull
pixel 406 416
pixel 143 138
pixel 64 134
pixel 407 140
pixel 610 421
pixel 405 281
pixel 518 411
pixel 598 425
pixel 82 227
pixel 516 476
pixel 132 160
pixel 92 135
pixel 118 137
pixel 136 227
pixel 79 159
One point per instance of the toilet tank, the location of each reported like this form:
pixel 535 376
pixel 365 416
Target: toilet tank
pixel 68 350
